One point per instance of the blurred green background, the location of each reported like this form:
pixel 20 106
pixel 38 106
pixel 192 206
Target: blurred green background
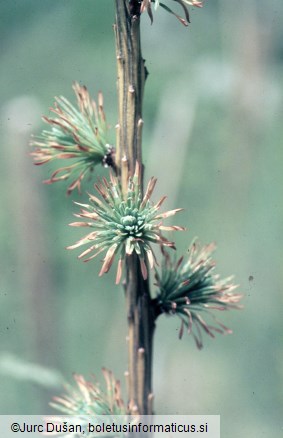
pixel 213 136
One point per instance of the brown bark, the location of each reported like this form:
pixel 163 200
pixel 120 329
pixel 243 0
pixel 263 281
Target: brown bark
pixel 131 75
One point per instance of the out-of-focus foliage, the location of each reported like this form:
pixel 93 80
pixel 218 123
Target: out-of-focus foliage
pixel 212 136
pixel 87 398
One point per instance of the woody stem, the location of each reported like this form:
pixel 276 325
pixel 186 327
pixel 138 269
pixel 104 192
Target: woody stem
pixel 131 75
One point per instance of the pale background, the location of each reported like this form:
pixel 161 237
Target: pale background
pixel 213 137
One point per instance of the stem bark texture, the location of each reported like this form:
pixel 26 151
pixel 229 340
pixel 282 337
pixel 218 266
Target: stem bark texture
pixel 131 75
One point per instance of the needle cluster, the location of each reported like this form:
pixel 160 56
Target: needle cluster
pixel 123 223
pixel 87 398
pixel 191 290
pixel 76 135
pixel 146 6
